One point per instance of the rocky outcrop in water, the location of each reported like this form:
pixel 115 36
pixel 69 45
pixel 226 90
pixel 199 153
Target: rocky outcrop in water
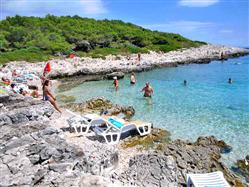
pixel 119 75
pixel 102 106
pixel 154 140
pixel 243 167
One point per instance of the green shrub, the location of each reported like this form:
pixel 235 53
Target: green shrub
pixel 30 55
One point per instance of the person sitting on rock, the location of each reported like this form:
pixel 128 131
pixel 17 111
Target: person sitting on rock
pixel 14 73
pixel 23 92
pixel 35 92
pixel 6 80
pixel 48 96
pixel 115 83
pixel 13 88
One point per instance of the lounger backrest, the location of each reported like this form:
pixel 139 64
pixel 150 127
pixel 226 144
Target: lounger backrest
pixel 215 179
pixel 115 123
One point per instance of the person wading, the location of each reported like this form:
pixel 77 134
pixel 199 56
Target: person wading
pixel 115 83
pixel 148 90
pixel 133 78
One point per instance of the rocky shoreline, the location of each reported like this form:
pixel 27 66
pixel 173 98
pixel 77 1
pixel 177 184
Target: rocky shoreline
pixel 37 149
pixel 89 66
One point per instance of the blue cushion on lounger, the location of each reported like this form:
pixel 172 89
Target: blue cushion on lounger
pixel 115 123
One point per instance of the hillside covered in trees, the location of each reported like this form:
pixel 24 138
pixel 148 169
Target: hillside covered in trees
pixel 37 39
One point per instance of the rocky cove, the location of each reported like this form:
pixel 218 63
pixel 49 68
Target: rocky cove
pixel 38 149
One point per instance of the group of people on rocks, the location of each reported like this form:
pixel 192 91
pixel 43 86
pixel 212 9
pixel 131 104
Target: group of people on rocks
pixel 14 82
pixel 147 89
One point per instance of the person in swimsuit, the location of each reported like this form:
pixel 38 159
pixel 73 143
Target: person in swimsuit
pixel 148 90
pixel 133 78
pixel 115 83
pixel 48 96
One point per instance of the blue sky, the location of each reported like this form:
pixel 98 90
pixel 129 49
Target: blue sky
pixel 214 21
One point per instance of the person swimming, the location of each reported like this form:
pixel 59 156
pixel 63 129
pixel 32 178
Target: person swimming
pixel 48 96
pixel 115 83
pixel 230 81
pixel 133 78
pixel 148 90
pixel 185 83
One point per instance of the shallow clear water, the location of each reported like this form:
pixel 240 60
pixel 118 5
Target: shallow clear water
pixel 208 105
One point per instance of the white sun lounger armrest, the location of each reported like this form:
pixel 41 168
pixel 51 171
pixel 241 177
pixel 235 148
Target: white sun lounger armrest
pixel 80 125
pixel 144 128
pixel 111 138
pixel 215 179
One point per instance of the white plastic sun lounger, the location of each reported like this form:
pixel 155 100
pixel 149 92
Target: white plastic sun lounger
pixel 114 128
pixel 82 124
pixel 215 179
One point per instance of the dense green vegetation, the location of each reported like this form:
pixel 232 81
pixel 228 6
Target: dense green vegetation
pixel 37 39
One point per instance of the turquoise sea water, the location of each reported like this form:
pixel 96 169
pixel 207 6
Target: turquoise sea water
pixel 208 105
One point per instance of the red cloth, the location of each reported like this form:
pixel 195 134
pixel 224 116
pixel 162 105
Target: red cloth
pixel 47 68
pixel 72 55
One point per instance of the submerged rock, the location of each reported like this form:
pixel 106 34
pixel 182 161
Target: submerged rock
pixel 243 167
pixel 211 140
pixel 102 106
pixel 74 81
pixel 98 103
pixel 66 99
pixel 156 139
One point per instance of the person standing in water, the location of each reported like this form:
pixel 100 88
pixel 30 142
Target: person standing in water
pixel 148 90
pixel 185 83
pixel 133 78
pixel 230 81
pixel 115 83
pixel 48 96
